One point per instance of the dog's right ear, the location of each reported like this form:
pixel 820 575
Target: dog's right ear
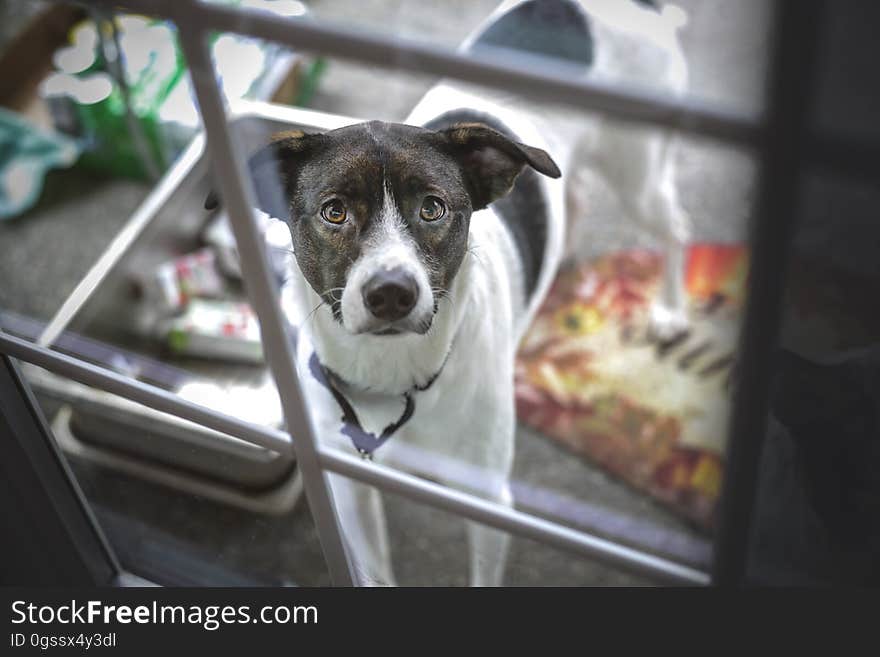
pixel 273 170
pixel 491 162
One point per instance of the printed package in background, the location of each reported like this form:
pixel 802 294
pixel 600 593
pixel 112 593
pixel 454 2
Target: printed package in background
pixel 651 412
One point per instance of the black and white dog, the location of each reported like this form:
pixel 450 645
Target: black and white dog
pixel 422 253
pixel 414 287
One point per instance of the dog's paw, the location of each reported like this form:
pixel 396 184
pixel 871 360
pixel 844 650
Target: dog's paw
pixel 371 579
pixel 666 323
pixel 376 582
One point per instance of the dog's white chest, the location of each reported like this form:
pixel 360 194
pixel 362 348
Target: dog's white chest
pixel 448 418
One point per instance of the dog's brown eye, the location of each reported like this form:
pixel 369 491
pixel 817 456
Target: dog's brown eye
pixel 334 211
pixel 432 209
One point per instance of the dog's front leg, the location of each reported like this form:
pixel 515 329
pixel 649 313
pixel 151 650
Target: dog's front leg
pixel 359 507
pixel 362 517
pixel 489 547
pixel 492 450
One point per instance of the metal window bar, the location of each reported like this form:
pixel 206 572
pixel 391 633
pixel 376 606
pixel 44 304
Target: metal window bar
pixel 195 19
pixel 790 87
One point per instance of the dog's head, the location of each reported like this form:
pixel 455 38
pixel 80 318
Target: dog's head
pixel 379 213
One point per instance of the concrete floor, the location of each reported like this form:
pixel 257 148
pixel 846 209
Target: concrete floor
pixel 45 253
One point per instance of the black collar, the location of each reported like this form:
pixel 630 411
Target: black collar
pixel 364 441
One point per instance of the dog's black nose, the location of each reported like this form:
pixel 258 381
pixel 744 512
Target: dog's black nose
pixel 390 295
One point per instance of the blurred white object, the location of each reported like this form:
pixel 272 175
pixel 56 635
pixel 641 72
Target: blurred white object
pixel 625 172
pixel 258 404
pixel 223 330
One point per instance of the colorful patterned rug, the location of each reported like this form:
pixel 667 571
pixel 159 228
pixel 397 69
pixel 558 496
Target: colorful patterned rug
pixel 653 413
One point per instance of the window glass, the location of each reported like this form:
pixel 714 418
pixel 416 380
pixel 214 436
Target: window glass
pixel 815 515
pixel 612 416
pixel 816 510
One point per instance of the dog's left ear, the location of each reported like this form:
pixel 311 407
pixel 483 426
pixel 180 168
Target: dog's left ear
pixel 273 169
pixel 491 162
